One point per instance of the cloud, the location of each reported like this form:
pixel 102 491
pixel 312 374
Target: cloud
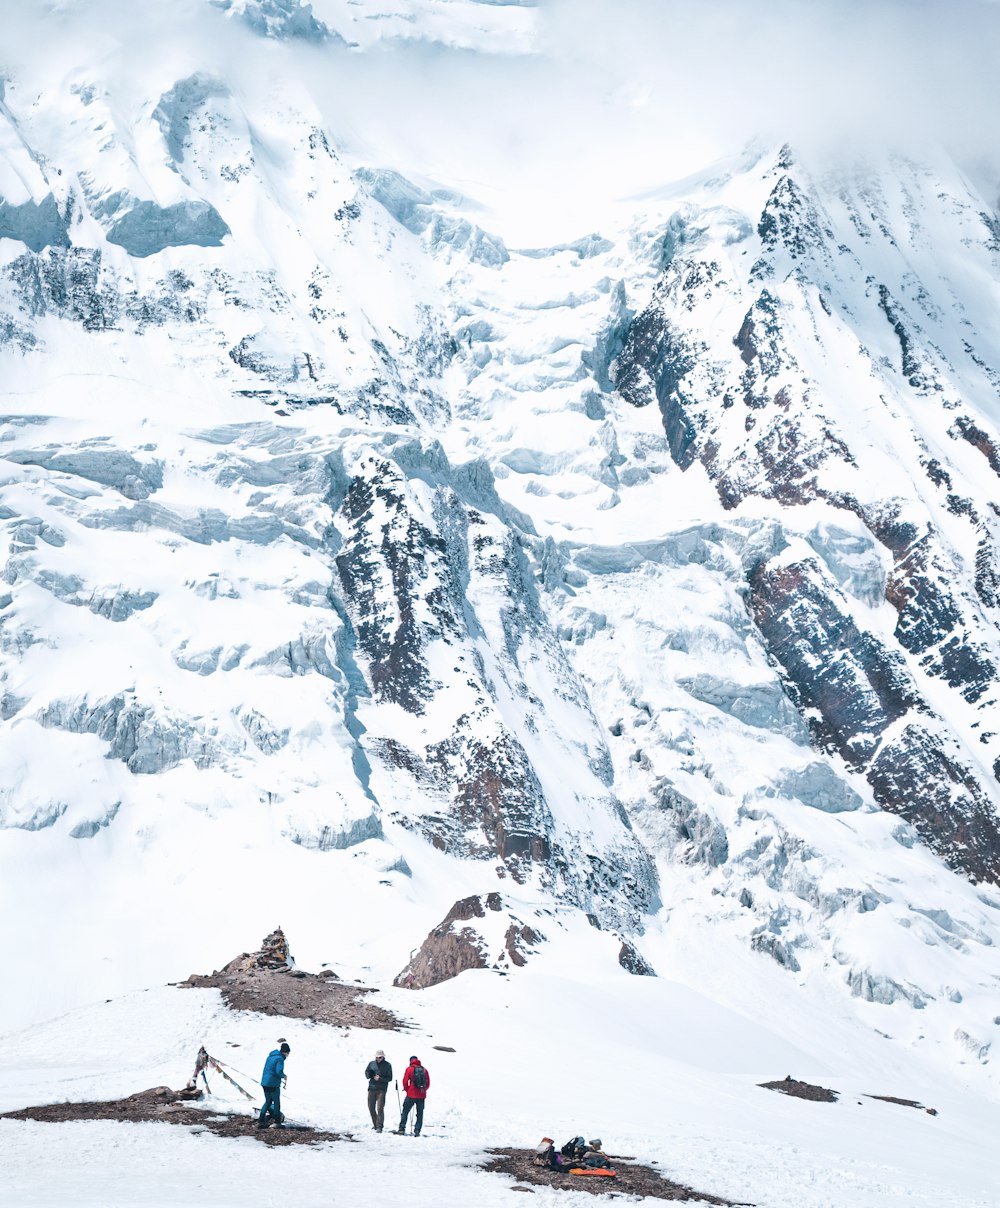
pixel 611 98
pixel 806 69
pixel 618 96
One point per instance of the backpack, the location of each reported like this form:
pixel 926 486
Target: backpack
pixel 419 1078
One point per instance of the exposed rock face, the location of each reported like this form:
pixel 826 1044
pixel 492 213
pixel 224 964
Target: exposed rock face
pixel 424 215
pixel 760 416
pixel 428 566
pixel 37 224
pixel 633 962
pixel 280 19
pixel 147 228
pixel 470 937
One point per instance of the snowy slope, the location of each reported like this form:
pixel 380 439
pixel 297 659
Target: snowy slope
pixel 677 1073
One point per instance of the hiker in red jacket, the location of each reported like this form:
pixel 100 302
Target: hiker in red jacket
pixel 416 1083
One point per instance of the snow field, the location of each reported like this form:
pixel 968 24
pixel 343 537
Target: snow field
pixel 654 1068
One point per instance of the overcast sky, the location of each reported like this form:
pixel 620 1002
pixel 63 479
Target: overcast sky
pixel 613 97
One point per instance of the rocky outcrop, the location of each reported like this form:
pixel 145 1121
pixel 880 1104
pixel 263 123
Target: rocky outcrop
pixel 471 936
pixel 497 792
pixel 931 623
pixel 847 682
pixel 280 19
pixel 146 228
pixel 268 982
pixel 862 702
pixel 392 572
pixel 758 405
pixel 428 569
pixel 37 224
pixel 427 215
pixel 633 962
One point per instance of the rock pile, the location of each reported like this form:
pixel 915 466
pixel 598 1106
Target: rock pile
pixel 273 954
pixel 269 983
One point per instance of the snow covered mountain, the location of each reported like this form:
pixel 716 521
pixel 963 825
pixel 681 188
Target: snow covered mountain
pixel 357 557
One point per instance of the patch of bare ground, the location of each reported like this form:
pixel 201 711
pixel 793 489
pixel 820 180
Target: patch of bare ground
pixel 161 1105
pixel 802 1090
pixel 633 1179
pixel 297 995
pixel 931 1111
pixel 268 982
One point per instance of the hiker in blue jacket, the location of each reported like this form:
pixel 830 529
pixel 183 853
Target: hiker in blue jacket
pixel 270 1082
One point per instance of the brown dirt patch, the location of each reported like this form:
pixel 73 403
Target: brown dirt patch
pixel 802 1090
pixel 297 995
pixel 931 1111
pixel 632 1180
pixel 160 1106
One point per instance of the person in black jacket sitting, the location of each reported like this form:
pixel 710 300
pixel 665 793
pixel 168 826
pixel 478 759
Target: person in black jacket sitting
pixel 379 1075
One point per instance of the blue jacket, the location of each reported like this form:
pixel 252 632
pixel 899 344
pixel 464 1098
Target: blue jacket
pixel 274 1069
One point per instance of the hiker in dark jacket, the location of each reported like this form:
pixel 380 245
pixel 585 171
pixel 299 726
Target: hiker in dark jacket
pixel 270 1084
pixel 379 1075
pixel 416 1083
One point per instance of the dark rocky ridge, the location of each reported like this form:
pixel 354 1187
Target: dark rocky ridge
pixel 452 947
pixel 862 697
pixel 414 573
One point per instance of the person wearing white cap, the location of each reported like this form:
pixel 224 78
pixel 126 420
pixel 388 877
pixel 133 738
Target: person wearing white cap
pixel 379 1075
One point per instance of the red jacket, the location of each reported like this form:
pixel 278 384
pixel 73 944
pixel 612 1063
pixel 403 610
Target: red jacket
pixel 411 1091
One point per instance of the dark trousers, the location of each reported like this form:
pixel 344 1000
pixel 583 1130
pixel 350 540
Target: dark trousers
pixel 272 1104
pixel 419 1122
pixel 376 1106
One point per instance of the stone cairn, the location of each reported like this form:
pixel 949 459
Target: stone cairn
pixel 273 955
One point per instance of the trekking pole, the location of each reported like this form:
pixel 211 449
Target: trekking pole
pixel 398 1100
